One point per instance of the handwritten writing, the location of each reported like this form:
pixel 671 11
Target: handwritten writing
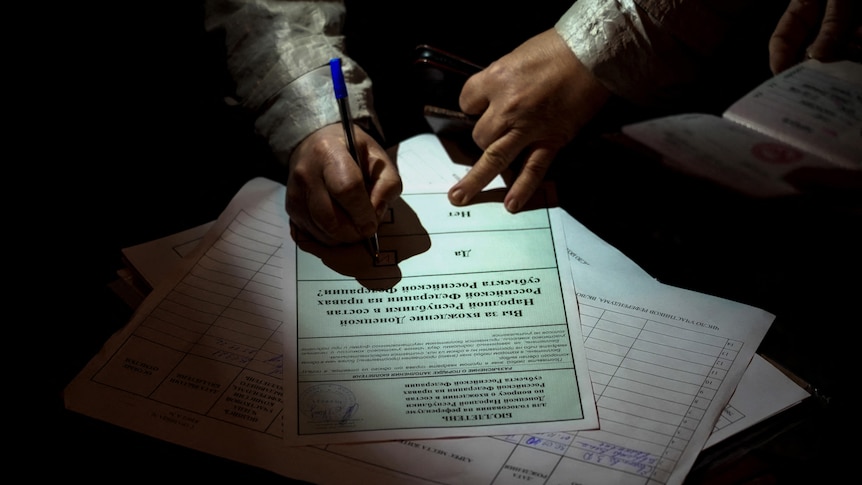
pixel 612 455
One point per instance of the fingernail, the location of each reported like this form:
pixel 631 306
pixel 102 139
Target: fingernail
pixel 456 196
pixel 381 211
pixel 512 205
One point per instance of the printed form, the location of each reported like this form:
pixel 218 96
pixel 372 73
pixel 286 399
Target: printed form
pixel 466 325
pixel 201 364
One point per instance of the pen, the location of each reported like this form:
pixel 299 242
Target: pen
pixel 347 123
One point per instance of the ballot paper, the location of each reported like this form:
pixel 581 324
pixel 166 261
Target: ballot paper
pixel 663 363
pixel 466 325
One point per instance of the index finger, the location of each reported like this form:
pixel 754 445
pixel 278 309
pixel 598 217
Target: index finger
pixel 386 183
pixel 346 185
pixel 494 160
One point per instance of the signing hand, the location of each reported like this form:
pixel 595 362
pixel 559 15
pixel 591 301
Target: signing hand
pixel 532 102
pixel 834 25
pixel 326 195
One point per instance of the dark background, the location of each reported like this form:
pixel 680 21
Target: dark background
pixel 127 134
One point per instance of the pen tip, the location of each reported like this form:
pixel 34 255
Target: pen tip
pixel 375 248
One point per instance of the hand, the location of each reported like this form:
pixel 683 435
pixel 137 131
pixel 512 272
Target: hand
pixel 532 102
pixel 834 25
pixel 326 195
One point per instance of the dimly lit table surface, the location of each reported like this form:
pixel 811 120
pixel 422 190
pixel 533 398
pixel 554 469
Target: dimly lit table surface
pixel 170 156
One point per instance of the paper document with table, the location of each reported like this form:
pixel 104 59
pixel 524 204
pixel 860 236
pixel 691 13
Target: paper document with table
pixel 206 362
pixel 785 136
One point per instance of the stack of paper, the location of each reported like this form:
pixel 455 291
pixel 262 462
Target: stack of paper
pixel 250 344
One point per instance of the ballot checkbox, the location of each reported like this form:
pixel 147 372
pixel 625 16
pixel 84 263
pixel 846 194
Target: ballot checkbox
pixel 387 258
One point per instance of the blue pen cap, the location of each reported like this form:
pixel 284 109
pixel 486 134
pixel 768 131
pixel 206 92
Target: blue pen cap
pixel 338 78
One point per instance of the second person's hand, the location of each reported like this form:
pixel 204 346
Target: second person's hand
pixel 826 30
pixel 326 195
pixel 532 102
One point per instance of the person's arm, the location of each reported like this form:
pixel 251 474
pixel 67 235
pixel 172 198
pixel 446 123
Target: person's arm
pixel 537 98
pixel 643 49
pixel 278 54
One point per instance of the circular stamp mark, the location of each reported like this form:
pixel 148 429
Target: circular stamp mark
pixel 776 153
pixel 327 403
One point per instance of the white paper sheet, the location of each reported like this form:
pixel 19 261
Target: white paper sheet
pixel 467 325
pixel 206 345
pixel 763 392
pixel 664 362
